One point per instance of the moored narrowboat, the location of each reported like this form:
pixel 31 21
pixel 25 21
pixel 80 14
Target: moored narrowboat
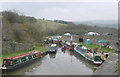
pixel 56 41
pixel 94 58
pixel 52 48
pixel 62 42
pixel 20 60
pixel 69 45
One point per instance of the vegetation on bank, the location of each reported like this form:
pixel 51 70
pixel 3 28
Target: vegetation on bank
pixel 100 49
pixel 41 48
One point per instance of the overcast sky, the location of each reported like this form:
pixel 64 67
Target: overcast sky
pixel 69 11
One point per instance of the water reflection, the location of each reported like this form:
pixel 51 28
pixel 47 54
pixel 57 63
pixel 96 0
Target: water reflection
pixel 52 55
pixel 89 64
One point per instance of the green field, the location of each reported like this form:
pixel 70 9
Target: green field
pixel 102 49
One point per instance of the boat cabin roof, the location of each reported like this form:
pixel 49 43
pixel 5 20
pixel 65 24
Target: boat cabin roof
pixel 20 56
pixel 53 45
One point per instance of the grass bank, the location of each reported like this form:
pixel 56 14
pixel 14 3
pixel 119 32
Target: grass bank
pixel 41 48
pixel 103 49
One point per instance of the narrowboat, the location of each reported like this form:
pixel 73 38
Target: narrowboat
pixel 56 41
pixel 104 56
pixel 14 62
pixel 52 48
pixel 94 58
pixel 62 42
pixel 69 45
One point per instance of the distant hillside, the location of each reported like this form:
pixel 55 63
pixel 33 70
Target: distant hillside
pixel 100 23
pixel 81 29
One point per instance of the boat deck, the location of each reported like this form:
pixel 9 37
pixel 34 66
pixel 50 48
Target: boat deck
pixel 81 50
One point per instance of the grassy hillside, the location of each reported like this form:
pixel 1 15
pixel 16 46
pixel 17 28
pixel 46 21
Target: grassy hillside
pixel 47 24
pixel 49 27
pixel 24 29
pixel 100 23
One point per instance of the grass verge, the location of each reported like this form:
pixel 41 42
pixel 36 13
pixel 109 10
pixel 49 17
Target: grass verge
pixel 103 49
pixel 41 48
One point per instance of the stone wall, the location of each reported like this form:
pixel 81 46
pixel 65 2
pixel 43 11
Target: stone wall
pixel 8 47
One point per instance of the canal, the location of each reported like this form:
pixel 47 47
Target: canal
pixel 61 63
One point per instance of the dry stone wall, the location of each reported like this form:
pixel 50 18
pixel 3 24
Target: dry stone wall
pixel 8 47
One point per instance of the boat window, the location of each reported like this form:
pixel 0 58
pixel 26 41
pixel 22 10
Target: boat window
pixel 16 61
pixel 11 62
pixel 6 62
pixel 30 57
pixel 23 59
pixel 34 55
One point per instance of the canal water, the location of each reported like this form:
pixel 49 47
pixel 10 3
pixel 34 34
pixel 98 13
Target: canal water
pixel 61 63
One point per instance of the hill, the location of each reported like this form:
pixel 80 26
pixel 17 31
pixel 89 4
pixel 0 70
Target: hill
pixel 100 23
pixel 49 27
pixel 24 29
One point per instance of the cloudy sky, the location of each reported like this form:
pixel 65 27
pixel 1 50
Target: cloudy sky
pixel 69 11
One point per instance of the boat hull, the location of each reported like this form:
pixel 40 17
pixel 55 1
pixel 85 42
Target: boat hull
pixel 97 63
pixel 85 58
